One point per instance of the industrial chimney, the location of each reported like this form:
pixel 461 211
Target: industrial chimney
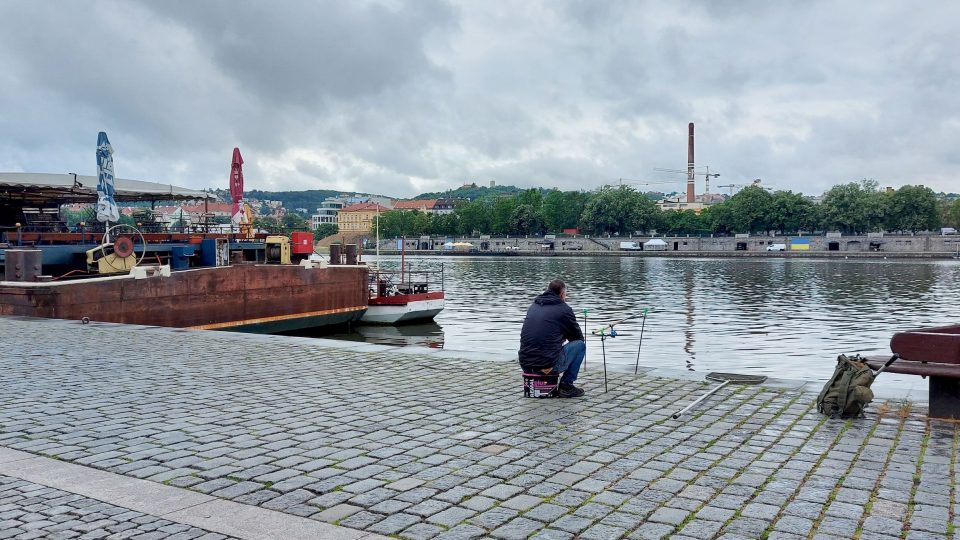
pixel 690 184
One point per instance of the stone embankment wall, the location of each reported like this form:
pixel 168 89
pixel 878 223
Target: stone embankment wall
pixel 906 245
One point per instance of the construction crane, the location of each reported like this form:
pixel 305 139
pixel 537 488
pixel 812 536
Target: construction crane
pixel 756 182
pixel 706 175
pixel 631 182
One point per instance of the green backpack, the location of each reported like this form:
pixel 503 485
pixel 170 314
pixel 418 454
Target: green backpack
pixel 848 391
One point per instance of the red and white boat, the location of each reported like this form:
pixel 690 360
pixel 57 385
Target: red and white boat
pixel 400 296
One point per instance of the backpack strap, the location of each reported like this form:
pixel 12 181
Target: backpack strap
pixel 838 372
pixel 843 390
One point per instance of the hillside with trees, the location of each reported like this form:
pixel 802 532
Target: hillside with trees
pixel 470 192
pixel 291 200
pixel 853 208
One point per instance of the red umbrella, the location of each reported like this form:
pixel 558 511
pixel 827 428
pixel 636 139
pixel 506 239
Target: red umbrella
pixel 236 185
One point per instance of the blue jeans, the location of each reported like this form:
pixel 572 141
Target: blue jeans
pixel 571 356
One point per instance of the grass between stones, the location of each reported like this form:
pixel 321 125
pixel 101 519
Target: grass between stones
pixel 916 480
pixel 739 512
pixel 953 484
pixel 839 484
pixel 692 515
pixel 903 412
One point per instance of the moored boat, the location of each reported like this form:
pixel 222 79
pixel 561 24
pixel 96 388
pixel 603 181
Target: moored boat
pixel 400 297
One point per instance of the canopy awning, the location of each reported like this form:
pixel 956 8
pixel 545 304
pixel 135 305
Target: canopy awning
pixel 655 242
pixel 42 189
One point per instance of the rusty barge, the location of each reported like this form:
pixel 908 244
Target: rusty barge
pixel 246 297
pixel 195 279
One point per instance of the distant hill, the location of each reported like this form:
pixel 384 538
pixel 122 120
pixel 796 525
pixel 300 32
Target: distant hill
pixel 291 200
pixel 311 199
pixel 471 192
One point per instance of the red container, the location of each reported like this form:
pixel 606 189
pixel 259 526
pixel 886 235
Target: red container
pixel 302 243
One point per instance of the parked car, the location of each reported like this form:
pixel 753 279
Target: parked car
pixel 777 247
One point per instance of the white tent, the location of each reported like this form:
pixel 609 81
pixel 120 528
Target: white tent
pixel 655 245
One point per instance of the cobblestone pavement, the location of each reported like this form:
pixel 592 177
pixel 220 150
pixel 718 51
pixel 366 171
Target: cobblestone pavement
pixel 32 511
pixel 427 445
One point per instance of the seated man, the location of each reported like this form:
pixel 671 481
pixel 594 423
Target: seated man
pixel 550 322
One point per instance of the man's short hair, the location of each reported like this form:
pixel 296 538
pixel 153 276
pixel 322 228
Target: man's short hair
pixel 557 286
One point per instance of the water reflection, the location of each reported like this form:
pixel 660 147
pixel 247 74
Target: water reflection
pixel 776 317
pixel 422 335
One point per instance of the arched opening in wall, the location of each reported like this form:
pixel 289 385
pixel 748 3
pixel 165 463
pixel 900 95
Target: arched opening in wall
pixel 741 246
pixel 854 245
pixel 833 246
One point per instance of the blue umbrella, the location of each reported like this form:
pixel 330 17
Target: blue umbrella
pixel 106 204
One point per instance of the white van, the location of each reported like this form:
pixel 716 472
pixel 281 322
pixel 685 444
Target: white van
pixel 630 246
pixel 777 247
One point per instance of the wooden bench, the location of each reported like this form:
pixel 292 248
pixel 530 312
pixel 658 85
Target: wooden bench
pixel 932 353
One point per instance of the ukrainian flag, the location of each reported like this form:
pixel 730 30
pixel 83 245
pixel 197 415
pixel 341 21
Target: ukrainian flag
pixel 800 244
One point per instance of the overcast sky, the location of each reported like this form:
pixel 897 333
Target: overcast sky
pixel 400 98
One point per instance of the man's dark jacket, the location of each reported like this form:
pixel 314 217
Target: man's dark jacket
pixel 549 322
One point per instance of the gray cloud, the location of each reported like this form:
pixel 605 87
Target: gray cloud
pixel 399 97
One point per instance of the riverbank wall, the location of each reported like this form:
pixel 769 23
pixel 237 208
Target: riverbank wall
pixel 844 247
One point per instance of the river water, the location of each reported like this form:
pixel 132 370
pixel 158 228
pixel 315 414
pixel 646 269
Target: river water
pixel 777 317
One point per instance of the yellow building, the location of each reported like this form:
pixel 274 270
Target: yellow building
pixel 359 218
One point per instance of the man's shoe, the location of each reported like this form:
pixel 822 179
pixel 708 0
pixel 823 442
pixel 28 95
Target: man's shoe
pixel 565 390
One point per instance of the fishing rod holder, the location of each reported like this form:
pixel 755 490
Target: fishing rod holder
pixel 609 331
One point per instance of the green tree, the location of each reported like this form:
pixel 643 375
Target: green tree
pixel 501 210
pixel 327 229
pixel 396 223
pixel 526 220
pixel 294 222
pixel 531 197
pixel 952 218
pixel 473 217
pixel 269 224
pixel 562 209
pixel 619 210
pixel 682 222
pixel 718 218
pixel 791 212
pixel 913 208
pixel 854 208
pixel 750 209
pixel 390 224
pixel 85 215
pixel 417 223
pixel 443 224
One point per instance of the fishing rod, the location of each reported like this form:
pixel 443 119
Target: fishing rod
pixel 585 341
pixel 636 367
pixel 609 330
pixel 610 326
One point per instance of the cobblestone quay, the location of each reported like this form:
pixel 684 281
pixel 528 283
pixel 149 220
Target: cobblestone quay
pixel 418 443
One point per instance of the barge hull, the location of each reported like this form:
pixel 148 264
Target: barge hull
pixel 259 298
